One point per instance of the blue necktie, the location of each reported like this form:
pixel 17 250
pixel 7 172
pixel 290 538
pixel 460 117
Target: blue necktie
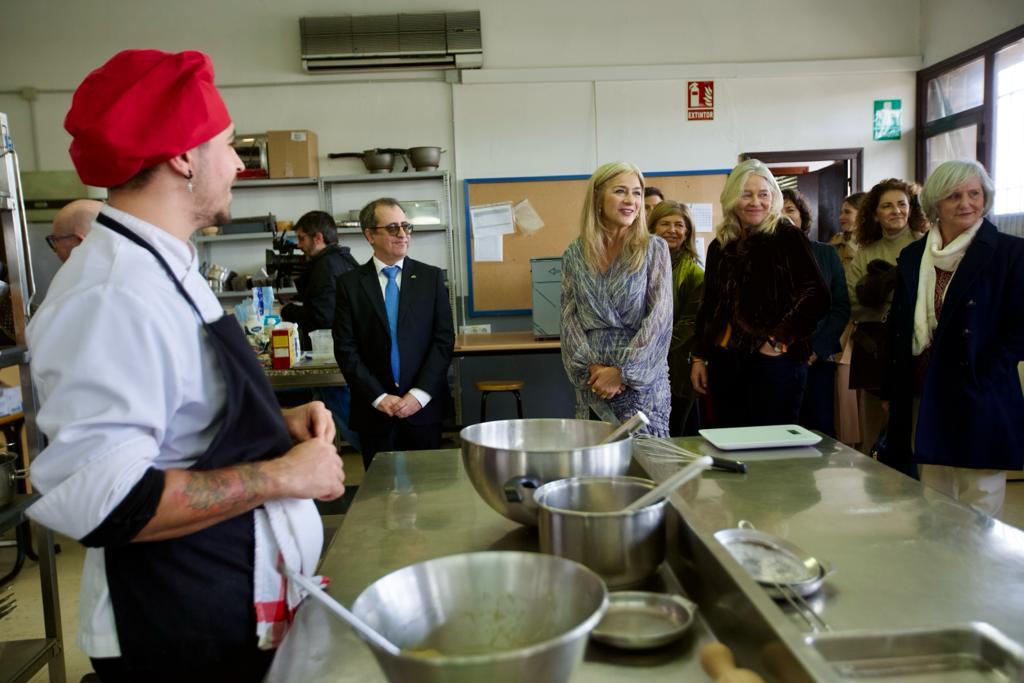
pixel 391 306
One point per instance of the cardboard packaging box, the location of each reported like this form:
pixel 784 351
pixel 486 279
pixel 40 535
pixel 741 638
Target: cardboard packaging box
pixel 292 154
pixel 283 347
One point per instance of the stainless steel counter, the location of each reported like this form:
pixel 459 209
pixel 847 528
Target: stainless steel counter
pixel 904 556
pixel 416 506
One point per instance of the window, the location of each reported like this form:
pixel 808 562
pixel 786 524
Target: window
pixel 1008 136
pixel 971 106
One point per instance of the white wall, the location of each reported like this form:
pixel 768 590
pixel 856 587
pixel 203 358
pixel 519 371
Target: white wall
pixel 952 26
pixel 513 129
pixel 255 48
pixel 54 43
pixel 567 84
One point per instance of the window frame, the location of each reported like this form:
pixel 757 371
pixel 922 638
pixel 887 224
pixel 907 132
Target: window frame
pixel 982 116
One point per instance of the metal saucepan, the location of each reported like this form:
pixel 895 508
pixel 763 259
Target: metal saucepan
pixel 583 519
pixel 507 460
pixel 9 474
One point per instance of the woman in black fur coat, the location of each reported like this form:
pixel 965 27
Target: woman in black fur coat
pixel 763 297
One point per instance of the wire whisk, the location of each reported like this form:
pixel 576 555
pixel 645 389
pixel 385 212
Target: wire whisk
pixel 660 449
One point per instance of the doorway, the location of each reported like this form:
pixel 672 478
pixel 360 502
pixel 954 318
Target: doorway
pixel 824 176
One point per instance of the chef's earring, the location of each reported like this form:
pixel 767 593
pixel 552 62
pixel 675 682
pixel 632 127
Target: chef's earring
pixel 189 184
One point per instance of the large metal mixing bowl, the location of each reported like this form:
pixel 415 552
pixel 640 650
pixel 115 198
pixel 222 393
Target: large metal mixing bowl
pixel 582 519
pixel 495 617
pixel 507 460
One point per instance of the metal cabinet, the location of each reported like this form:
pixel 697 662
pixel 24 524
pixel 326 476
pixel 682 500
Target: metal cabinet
pixel 20 660
pixel 546 281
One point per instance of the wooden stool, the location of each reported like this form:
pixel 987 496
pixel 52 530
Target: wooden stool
pixel 489 386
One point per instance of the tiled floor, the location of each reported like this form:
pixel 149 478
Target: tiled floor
pixel 26 621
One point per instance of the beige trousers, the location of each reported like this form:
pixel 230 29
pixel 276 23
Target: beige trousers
pixel 983 490
pixel 847 414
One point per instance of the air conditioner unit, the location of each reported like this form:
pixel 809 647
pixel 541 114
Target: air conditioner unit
pixel 396 42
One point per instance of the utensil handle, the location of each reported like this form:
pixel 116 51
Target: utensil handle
pixel 671 484
pixel 318 594
pixel 638 421
pixel 729 465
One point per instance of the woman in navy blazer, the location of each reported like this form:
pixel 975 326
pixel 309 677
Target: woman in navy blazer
pixel 957 324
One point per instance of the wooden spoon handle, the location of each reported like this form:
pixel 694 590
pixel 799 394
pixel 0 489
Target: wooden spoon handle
pixel 718 662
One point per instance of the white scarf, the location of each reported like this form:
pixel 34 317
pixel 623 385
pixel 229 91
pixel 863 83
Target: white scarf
pixel 945 258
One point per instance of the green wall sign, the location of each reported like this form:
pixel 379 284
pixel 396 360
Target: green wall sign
pixel 888 120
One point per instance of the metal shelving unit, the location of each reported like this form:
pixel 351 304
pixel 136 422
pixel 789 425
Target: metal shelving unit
pixel 20 660
pixel 325 185
pixel 442 177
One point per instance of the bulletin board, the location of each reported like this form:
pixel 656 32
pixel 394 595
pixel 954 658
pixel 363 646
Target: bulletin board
pixel 503 287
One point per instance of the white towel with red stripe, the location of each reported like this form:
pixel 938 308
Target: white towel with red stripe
pixel 288 531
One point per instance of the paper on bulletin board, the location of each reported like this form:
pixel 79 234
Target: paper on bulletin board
pixel 527 219
pixel 488 248
pixel 701 214
pixel 492 219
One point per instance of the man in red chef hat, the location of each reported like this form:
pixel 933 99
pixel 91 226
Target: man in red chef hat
pixel 168 455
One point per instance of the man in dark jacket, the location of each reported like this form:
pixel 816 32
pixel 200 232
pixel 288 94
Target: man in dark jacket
pixel 393 338
pixel 317 236
pixel 314 307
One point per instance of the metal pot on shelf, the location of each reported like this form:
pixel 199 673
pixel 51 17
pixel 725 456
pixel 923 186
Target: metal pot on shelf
pixel 425 158
pixel 376 160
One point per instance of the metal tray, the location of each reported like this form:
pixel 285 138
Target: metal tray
pixel 963 653
pixel 774 562
pixel 639 620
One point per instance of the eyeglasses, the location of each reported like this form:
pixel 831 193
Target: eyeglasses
pixel 394 228
pixel 53 239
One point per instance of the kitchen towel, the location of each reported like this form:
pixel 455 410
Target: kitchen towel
pixel 288 531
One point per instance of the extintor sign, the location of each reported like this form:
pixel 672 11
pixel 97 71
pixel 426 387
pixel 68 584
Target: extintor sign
pixel 700 100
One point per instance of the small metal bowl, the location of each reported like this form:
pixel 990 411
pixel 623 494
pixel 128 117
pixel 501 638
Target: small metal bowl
pixel 640 620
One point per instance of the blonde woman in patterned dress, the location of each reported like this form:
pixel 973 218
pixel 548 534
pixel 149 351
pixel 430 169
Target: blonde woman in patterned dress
pixel 617 303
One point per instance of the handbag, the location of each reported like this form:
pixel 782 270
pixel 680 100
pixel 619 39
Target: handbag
pixel 870 357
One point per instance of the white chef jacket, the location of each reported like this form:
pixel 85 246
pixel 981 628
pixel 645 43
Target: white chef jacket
pixel 127 380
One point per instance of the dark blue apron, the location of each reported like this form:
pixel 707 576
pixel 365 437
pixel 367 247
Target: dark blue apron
pixel 184 607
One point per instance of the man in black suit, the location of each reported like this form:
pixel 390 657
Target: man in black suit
pixel 393 338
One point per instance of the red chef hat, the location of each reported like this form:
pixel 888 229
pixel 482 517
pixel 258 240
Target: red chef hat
pixel 141 108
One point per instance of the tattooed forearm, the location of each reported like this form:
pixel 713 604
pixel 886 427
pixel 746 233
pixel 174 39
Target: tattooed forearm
pixel 224 488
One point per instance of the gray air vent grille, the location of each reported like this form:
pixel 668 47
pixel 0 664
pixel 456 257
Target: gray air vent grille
pixel 435 40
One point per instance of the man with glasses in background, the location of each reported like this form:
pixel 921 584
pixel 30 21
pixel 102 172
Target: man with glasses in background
pixel 70 226
pixel 393 339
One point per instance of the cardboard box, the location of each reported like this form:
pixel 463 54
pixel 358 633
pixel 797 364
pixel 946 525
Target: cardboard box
pixel 282 348
pixel 293 154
